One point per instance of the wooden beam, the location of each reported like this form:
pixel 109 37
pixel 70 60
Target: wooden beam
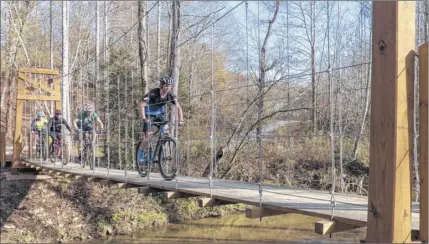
pixel 36 84
pixel 35 97
pixel 212 202
pixel 328 227
pixel 176 195
pixel 17 135
pixel 78 177
pixel 148 190
pixel 91 178
pixel 423 105
pixel 39 71
pixel 257 212
pixel 389 201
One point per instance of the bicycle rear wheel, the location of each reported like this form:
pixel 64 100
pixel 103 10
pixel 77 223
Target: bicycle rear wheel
pixel 142 168
pixel 168 158
pixel 89 153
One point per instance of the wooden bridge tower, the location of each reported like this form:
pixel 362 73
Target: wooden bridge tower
pixel 32 90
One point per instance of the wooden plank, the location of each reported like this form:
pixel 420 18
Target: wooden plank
pixel 257 212
pixel 350 209
pixel 176 195
pixel 36 84
pixel 389 203
pixel 212 202
pixel 328 227
pixel 148 190
pixel 424 148
pixel 39 71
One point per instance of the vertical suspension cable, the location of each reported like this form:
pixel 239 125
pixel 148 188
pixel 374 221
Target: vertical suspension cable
pixel 107 85
pixel 247 72
pixel 258 137
pixel 331 123
pixel 213 111
pixel 126 125
pixel 340 107
pixel 288 70
pixel 81 110
pixel 133 154
pixel 119 127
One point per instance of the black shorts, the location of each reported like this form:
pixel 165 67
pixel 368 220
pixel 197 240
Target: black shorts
pixel 84 127
pixel 154 120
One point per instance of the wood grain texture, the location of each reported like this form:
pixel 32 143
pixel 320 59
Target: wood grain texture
pixel 423 106
pixel 389 203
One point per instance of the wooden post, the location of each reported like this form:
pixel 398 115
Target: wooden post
pixel 17 138
pixel 3 149
pixel 389 201
pixel 423 68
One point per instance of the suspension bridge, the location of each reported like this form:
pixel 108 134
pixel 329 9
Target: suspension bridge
pixel 388 212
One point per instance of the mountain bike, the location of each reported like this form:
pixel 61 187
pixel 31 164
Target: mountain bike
pixel 41 145
pixel 87 150
pixel 162 150
pixel 59 149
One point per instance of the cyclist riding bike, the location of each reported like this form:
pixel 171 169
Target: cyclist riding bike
pixel 152 110
pixel 84 123
pixel 55 125
pixel 38 125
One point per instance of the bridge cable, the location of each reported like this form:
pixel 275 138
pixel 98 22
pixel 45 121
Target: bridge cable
pixel 258 137
pixel 213 108
pixel 331 122
pixel 126 126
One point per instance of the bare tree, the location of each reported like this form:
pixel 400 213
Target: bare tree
pixel 143 48
pixel 174 60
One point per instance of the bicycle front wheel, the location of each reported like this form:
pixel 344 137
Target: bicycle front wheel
pixel 53 153
pixel 65 154
pixel 168 158
pixel 89 153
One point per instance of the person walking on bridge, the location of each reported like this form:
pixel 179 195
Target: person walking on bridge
pixel 151 109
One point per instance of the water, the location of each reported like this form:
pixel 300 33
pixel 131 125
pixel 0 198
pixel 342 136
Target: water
pixel 238 229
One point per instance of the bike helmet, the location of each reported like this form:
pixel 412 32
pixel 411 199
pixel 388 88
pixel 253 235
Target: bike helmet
pixel 166 81
pixel 40 114
pixel 58 112
pixel 89 108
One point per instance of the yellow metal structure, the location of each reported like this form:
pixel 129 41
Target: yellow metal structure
pixel 27 84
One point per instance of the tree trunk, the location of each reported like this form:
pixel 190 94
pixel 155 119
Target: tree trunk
pixel 158 40
pixel 365 114
pixel 174 57
pixel 142 6
pixel 313 68
pixel 263 68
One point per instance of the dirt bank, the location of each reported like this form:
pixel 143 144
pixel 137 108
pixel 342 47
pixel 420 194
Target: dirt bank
pixel 75 211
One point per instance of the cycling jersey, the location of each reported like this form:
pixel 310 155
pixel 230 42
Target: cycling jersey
pixel 85 120
pixel 54 124
pixel 39 124
pixel 155 104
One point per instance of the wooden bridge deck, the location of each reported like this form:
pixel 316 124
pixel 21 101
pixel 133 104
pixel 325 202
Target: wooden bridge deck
pixel 349 209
